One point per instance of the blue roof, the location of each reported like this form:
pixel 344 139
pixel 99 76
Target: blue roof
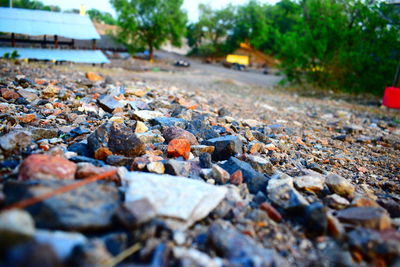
pixel 39 22
pixel 78 56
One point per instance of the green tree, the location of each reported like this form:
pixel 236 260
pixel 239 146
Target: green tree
pixel 208 36
pixel 103 17
pixel 29 4
pixel 252 26
pixel 345 45
pixel 147 24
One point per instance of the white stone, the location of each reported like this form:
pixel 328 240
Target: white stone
pixel 174 197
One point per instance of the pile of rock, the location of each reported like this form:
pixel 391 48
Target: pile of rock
pixel 193 186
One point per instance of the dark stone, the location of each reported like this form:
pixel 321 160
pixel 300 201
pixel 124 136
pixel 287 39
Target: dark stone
pixel 169 122
pixel 9 164
pixel 223 112
pixel 315 219
pixel 118 138
pixel 255 181
pixel 32 254
pixel 109 103
pixel 391 204
pixel 239 249
pixel 22 101
pixel 115 242
pixel 87 208
pixel 116 160
pixel 201 128
pixel 225 147
pixel 205 160
pixel 95 162
pixel 177 167
pixel 91 253
pixel 81 149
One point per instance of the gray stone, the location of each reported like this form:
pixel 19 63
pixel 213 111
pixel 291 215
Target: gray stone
pixel 281 191
pixel 134 213
pixel 219 174
pixel 336 202
pixel 178 167
pixel 368 217
pixel 89 207
pixel 28 94
pixel 225 147
pixel 92 253
pixel 15 141
pixel 310 182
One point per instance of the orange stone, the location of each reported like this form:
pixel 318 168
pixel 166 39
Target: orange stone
pixel 271 211
pixel 27 118
pixel 102 153
pixel 236 178
pixel 93 76
pixel 179 148
pixel 9 94
pixel 38 166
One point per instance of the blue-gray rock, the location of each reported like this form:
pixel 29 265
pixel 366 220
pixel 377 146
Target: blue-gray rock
pixel 87 208
pixel 169 122
pixel 109 103
pixel 239 249
pixel 205 160
pixel 225 147
pixel 255 181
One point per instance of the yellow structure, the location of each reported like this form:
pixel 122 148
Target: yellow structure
pixel 243 60
pixel 82 10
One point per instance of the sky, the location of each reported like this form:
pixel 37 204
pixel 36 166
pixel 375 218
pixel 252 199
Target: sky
pixel 104 5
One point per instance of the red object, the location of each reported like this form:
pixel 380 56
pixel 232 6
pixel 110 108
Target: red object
pixel 391 97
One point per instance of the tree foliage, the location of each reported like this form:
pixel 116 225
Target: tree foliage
pixel 103 17
pixel 30 4
pixel 351 45
pixel 147 24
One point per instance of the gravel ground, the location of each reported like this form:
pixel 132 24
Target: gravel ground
pixel 200 169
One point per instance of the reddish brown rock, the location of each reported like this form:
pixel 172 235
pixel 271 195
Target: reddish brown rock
pixel 102 153
pixel 27 118
pixel 179 148
pixel 9 94
pixel 236 178
pixel 39 166
pixel 86 170
pixel 174 132
pixel 271 211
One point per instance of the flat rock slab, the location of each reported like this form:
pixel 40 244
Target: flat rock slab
pixel 178 198
pixel 368 217
pixel 86 208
